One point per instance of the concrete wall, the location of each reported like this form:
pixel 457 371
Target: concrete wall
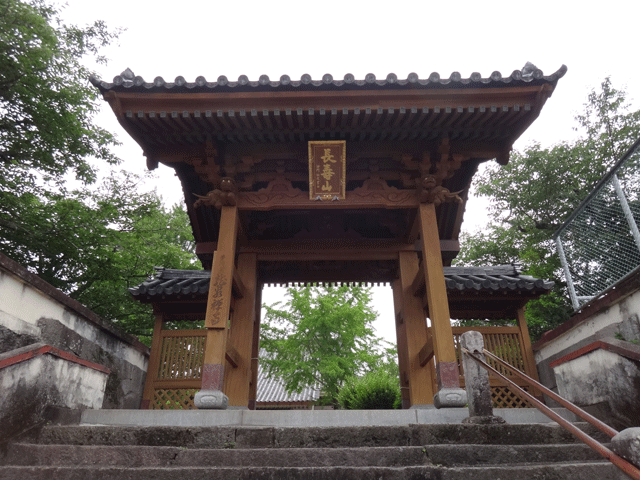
pixel 33 311
pixel 585 358
pixel 606 382
pixel 39 376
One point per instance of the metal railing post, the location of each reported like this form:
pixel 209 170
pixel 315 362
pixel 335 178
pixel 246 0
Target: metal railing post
pixel 567 274
pixel 627 211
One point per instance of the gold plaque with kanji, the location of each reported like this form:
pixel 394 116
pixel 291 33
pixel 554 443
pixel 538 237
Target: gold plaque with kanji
pixel 327 170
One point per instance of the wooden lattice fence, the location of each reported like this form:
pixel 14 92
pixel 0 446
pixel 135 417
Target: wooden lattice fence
pixel 178 374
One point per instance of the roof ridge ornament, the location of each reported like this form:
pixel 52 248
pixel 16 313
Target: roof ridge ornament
pixel 528 70
pixel 128 74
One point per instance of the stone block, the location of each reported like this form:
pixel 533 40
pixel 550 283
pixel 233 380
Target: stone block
pixel 211 399
pixel 450 398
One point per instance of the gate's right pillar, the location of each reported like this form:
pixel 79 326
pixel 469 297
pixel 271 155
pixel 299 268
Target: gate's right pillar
pixel 449 393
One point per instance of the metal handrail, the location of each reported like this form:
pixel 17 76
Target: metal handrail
pixel 603 427
pixel 618 461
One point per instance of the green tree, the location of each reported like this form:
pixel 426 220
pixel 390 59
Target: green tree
pixel 90 242
pixel 539 188
pixel 320 336
pixel 46 102
pixel 95 243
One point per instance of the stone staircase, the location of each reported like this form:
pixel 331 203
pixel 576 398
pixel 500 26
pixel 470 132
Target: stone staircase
pixel 427 451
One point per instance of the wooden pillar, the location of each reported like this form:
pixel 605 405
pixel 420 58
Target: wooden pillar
pixel 255 350
pixel 449 392
pixel 416 335
pixel 527 351
pixel 217 316
pixel 240 342
pixel 154 361
pixel 401 338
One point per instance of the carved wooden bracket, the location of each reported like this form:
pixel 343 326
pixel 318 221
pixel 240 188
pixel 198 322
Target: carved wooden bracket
pixel 225 196
pixel 430 192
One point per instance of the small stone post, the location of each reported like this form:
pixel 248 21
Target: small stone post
pixel 627 445
pixel 476 380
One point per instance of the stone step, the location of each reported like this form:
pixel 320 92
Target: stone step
pixel 305 418
pixel 145 456
pixel 312 437
pixel 572 471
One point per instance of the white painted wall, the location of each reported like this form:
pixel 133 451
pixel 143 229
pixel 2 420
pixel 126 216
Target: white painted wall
pixel 614 315
pixel 595 376
pixel 21 306
pixel 61 382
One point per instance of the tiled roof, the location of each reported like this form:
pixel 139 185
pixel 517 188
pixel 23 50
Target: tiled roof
pixel 271 390
pixel 503 277
pixel 499 279
pixel 128 81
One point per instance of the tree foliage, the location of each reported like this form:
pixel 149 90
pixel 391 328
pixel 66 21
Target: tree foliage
pixel 320 336
pixel 95 243
pixel 46 102
pixel 90 241
pixel 539 188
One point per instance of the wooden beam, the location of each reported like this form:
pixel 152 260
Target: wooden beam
pixel 171 384
pixel 241 336
pixel 436 293
pixel 257 201
pixel 401 343
pixel 414 329
pixel 238 287
pixel 219 302
pixel 154 361
pixel 426 352
pixel 232 356
pixel 417 284
pixel 326 249
pixel 255 349
pixel 527 350
pixel 349 99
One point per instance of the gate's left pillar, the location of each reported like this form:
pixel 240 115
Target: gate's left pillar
pixel 217 317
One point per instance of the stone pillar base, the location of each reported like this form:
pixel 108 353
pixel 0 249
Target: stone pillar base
pixel 450 398
pixel 211 399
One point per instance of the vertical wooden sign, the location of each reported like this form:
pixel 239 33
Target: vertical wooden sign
pixel 327 170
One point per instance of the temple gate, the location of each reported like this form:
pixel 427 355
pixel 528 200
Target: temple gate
pixel 328 181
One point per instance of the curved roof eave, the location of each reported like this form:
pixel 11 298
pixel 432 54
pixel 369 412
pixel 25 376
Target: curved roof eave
pixel 127 81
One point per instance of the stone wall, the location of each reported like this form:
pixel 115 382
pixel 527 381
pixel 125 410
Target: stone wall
pixel 32 311
pixel 586 358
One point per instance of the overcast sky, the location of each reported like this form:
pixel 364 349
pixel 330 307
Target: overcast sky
pixel 213 38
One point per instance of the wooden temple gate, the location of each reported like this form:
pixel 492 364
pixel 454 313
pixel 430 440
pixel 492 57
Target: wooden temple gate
pixel 326 181
pixel 175 366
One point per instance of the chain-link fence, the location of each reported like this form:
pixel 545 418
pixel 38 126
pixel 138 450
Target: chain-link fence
pixel 600 243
